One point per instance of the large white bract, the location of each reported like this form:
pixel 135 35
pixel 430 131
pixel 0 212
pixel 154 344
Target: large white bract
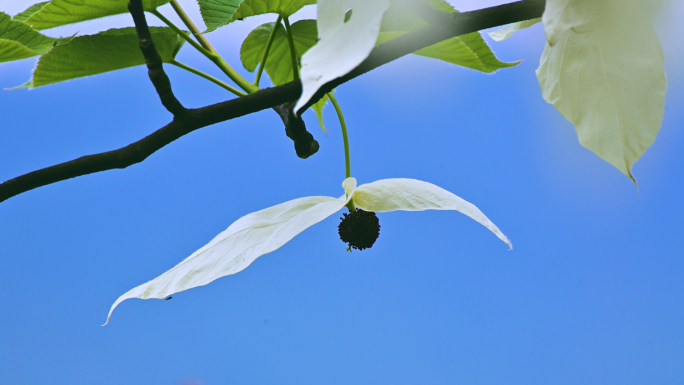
pixel 342 45
pixel 265 231
pixel 603 69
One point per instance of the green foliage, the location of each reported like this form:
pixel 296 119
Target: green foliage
pixel 24 35
pixel 469 50
pixel 106 51
pixel 23 16
pixel 13 50
pixel 217 13
pixel 279 63
pixel 318 108
pixel 63 12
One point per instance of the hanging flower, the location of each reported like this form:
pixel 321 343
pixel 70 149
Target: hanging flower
pixel 265 231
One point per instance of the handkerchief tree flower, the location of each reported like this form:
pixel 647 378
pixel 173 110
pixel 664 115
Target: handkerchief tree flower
pixel 265 231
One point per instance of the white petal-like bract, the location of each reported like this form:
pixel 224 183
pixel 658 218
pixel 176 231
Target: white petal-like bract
pixel 342 45
pixel 237 247
pixel 607 77
pixel 265 231
pixel 508 31
pixel 415 195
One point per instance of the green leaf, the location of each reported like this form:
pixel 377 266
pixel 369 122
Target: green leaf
pixel 106 51
pixel 469 50
pixel 279 62
pixel 63 12
pixel 23 16
pixel 318 108
pixel 217 13
pixel 25 35
pixel 607 77
pixel 13 50
pixel 507 31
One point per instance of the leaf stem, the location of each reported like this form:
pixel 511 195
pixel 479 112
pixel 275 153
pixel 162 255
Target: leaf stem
pixel 347 160
pixel 293 53
pixel 208 77
pixel 191 26
pixel 182 33
pixel 207 51
pixel 262 65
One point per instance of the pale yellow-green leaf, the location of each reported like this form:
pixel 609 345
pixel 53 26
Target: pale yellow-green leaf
pixel 415 195
pixel 63 12
pixel 508 31
pixel 342 45
pixel 607 77
pixel 237 247
pixel 318 108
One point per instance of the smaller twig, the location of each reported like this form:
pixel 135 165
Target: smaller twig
pixel 155 69
pixel 208 77
pixel 262 65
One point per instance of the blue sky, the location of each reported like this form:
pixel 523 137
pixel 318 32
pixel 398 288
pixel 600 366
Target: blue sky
pixel 593 291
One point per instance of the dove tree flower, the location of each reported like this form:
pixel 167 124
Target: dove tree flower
pixel 265 231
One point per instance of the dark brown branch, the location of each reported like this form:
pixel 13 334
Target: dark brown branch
pixel 193 119
pixel 155 69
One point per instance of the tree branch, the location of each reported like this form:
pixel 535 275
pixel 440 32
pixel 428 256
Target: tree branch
pixel 155 69
pixel 193 119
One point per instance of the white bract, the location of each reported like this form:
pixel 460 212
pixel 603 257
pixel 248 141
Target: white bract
pixel 342 46
pixel 603 69
pixel 265 231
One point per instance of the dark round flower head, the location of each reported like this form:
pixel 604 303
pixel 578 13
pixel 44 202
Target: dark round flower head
pixel 360 229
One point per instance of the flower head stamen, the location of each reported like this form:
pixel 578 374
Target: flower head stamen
pixel 360 229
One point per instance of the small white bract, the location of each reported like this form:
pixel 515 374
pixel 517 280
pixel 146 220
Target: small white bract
pixel 265 231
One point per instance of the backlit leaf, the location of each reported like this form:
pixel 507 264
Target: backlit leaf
pixel 279 62
pixel 23 16
pixel 467 50
pixel 25 35
pixel 217 13
pixel 106 51
pixel 13 50
pixel 63 12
